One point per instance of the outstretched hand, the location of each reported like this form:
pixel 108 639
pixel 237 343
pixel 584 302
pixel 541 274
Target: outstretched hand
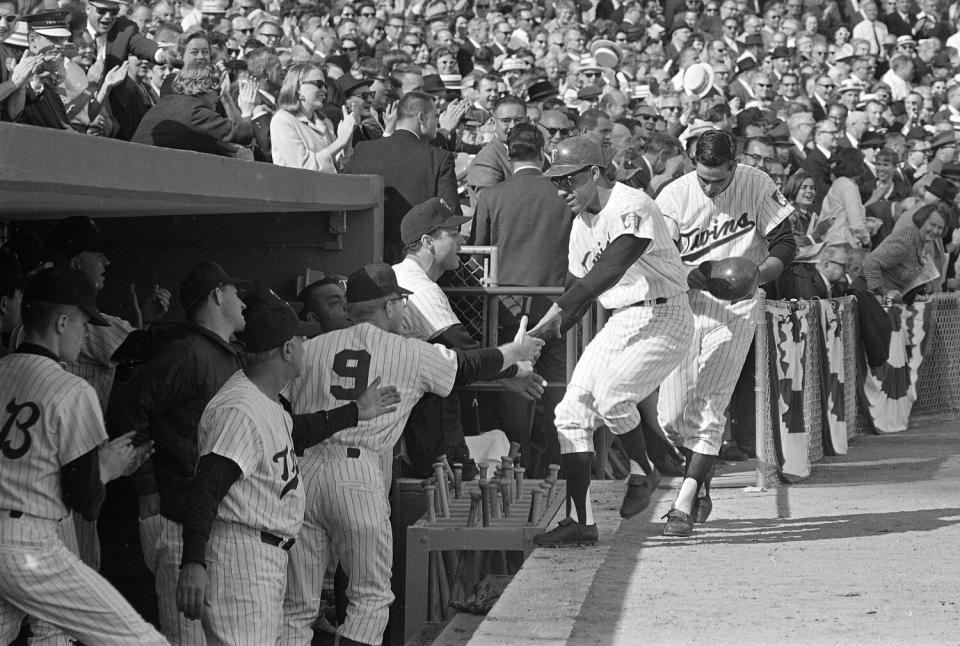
pixel 526 382
pixel 549 326
pixel 377 401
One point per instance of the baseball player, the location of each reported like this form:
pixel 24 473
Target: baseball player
pixel 620 253
pixel 346 478
pixel 54 458
pixel 246 504
pixel 720 209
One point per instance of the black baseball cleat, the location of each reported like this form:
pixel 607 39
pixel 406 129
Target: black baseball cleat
pixel 568 533
pixel 678 523
pixel 639 490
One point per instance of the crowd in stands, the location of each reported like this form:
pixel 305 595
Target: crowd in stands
pixel 852 107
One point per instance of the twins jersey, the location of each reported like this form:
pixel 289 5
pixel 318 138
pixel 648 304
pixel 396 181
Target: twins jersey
pixel 243 424
pixel 49 419
pixel 338 367
pixel 657 273
pixel 428 312
pixel 733 223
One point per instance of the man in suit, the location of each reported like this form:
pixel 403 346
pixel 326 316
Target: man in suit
pixel 115 38
pixel 491 165
pixel 526 219
pixel 413 171
pixel 822 96
pixel 800 126
pixel 902 20
pixel 659 147
pixel 825 135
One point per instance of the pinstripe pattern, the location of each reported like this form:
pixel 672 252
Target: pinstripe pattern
pixel 247 578
pixel 59 414
pixel 656 274
pixel 626 361
pixel 41 577
pixel 45 633
pixel 413 366
pixel 348 512
pixel 694 398
pixel 428 311
pixel 162 542
pixel 244 425
pixel 347 521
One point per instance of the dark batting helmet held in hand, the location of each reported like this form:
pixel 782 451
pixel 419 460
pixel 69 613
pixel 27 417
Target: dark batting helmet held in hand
pixel 731 279
pixel 574 154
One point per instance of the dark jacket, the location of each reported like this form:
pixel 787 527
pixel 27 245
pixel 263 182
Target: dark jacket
pixel 412 173
pixel 186 123
pixel 165 398
pixel 525 218
pixel 126 103
pixel 818 166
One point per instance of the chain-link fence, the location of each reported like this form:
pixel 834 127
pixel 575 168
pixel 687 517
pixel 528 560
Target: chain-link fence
pixel 938 386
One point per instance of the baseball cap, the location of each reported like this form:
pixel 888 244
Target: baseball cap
pixel 349 83
pixel 49 23
pixel 427 217
pixel 202 279
pixel 73 235
pixel 65 286
pixel 271 322
pixel 373 281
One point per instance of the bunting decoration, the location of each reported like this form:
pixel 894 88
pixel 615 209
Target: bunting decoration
pixel 834 392
pixel 787 324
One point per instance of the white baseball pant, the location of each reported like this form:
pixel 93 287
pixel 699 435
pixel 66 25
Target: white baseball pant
pixel 694 398
pixel 161 541
pixel 246 583
pixel 348 519
pixel 626 361
pixel 41 577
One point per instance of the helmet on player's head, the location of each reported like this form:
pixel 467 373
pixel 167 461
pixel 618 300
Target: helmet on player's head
pixel 574 154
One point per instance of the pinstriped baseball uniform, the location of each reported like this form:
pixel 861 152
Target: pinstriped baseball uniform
pixel 638 346
pixel 248 576
pixel 694 398
pixel 49 419
pixel 346 478
pixel 94 365
pixel 428 311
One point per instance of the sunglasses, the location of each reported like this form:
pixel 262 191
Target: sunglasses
pixel 104 11
pixel 563 132
pixel 565 183
pixel 320 85
pixel 245 31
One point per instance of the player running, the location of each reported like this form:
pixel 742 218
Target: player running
pixel 621 254
pixel 719 210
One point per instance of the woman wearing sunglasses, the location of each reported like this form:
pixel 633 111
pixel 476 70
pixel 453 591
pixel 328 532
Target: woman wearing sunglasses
pixel 301 136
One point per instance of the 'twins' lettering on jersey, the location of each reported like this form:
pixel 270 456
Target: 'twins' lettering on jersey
pixel 699 241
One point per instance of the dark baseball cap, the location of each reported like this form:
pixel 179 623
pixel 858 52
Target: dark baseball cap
pixel 202 279
pixel 373 281
pixel 427 217
pixel 11 274
pixel 65 286
pixel 74 235
pixel 271 322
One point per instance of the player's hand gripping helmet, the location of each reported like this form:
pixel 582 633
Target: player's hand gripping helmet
pixel 574 154
pixel 731 279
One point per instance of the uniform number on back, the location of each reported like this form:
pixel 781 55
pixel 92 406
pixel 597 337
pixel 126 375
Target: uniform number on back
pixel 353 366
pixel 15 437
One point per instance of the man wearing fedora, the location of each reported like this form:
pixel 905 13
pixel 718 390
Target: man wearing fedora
pixel 944 147
pixel 115 38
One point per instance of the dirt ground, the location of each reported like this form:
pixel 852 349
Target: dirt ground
pixel 864 552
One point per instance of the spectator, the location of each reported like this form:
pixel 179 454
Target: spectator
pixel 842 204
pixel 187 119
pixel 300 135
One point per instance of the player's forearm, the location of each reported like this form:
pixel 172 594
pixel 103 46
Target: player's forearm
pixel 482 364
pixel 83 492
pixel 782 249
pixel 215 475
pixel 457 337
pixel 313 428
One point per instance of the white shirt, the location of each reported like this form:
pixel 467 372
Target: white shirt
pixel 657 273
pixel 874 32
pixel 899 88
pixel 428 312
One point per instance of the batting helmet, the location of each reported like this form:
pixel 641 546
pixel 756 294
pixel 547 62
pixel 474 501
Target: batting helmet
pixel 731 279
pixel 574 154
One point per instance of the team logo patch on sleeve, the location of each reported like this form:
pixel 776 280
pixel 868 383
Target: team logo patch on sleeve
pixel 631 221
pixel 779 198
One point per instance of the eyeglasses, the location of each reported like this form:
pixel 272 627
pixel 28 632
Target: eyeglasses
pixel 105 11
pixel 245 31
pixel 366 96
pixel 320 85
pixel 592 75
pixel 565 182
pixel 401 299
pixel 563 132
pixel 757 160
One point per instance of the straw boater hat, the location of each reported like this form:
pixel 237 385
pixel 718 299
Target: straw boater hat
pixel 606 53
pixel 698 79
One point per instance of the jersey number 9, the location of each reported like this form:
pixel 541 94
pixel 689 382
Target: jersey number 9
pixel 355 366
